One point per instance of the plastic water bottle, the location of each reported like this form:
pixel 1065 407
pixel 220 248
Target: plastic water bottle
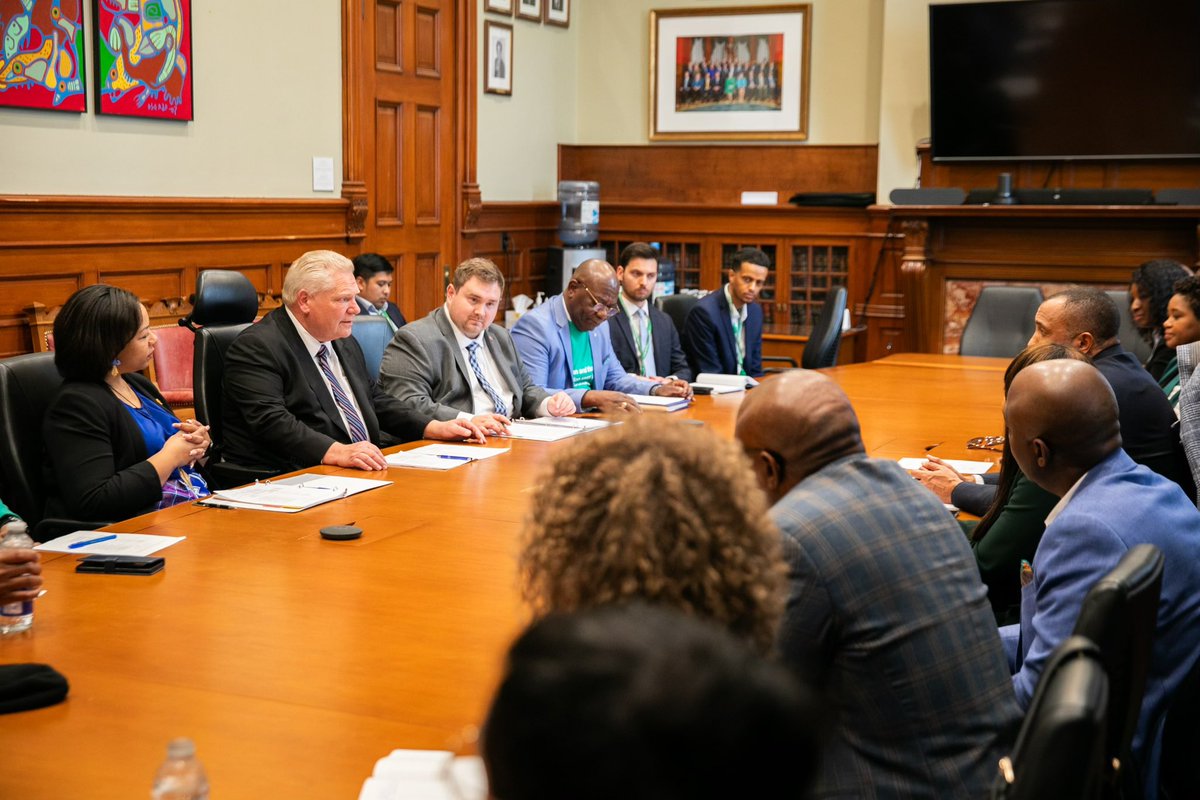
pixel 181 776
pixel 16 617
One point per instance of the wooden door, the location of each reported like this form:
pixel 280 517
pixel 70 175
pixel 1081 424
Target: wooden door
pixel 402 120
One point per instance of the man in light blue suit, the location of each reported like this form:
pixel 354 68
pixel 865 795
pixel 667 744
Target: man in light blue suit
pixel 1064 432
pixel 565 345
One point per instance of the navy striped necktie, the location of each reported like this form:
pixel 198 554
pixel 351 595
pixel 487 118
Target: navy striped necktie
pixel 501 406
pixel 358 431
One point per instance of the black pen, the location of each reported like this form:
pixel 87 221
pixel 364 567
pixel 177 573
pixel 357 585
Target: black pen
pixel 207 504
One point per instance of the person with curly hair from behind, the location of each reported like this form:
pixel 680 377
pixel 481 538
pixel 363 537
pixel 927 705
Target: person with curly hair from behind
pixel 657 512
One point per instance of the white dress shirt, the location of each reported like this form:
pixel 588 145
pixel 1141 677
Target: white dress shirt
pixel 737 322
pixel 335 364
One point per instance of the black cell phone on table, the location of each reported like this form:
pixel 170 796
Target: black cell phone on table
pixel 121 565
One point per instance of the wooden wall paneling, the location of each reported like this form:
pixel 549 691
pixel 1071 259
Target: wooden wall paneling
pixel 389 164
pixel 717 174
pixel 428 55
pixel 389 35
pixel 428 276
pixel 427 179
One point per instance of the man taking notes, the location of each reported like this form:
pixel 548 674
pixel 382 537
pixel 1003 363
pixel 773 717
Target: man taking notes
pixel 565 345
pixel 723 333
pixel 455 364
pixel 643 337
pixel 297 391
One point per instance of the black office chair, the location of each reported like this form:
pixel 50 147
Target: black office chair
pixel 1119 614
pixel 1001 322
pixel 223 297
pixel 821 350
pixel 677 307
pixel 225 304
pixel 1129 334
pixel 27 385
pixel 373 334
pixel 1178 777
pixel 1060 749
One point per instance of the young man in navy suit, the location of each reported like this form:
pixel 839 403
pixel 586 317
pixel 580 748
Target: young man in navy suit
pixel 643 337
pixel 723 333
pixel 373 274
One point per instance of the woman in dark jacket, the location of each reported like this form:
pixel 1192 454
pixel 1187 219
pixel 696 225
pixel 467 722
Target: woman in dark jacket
pixel 114 448
pixel 1150 289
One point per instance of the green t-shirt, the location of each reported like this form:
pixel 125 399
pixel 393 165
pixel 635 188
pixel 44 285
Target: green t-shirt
pixel 583 374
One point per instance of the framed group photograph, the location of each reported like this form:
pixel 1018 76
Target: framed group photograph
pixel 530 9
pixel 557 12
pixel 730 73
pixel 497 57
pixel 504 7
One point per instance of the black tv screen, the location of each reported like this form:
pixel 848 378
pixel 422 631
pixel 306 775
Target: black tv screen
pixel 1065 79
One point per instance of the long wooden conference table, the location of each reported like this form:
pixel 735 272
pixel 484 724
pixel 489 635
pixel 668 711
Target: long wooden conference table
pixel 295 663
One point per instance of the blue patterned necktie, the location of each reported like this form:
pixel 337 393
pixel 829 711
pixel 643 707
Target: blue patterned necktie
pixel 501 408
pixel 358 431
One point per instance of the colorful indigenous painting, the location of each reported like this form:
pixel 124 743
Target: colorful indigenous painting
pixel 144 58
pixel 41 65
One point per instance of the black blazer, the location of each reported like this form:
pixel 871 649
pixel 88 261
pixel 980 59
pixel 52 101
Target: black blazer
pixel 1149 429
pixel 280 415
pixel 708 337
pixel 96 468
pixel 664 339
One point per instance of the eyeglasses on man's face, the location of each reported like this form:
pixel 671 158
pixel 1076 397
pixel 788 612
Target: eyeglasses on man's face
pixel 598 307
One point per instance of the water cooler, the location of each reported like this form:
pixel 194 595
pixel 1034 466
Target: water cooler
pixel 578 230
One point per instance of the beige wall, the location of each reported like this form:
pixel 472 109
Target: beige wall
pixel 518 134
pixel 267 89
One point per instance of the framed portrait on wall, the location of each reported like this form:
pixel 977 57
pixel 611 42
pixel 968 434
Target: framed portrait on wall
pixel 730 73
pixel 144 59
pixel 504 7
pixel 497 57
pixel 557 12
pixel 530 9
pixel 41 65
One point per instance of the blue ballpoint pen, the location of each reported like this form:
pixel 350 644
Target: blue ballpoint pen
pixel 77 545
pixel 456 458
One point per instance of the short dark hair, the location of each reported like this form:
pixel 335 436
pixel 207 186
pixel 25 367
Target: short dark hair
pixel 367 265
pixel 637 250
pixel 93 326
pixel 749 255
pixel 1155 281
pixel 645 702
pixel 1090 310
pixel 1189 289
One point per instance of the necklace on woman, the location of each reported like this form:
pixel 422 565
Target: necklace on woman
pixel 131 400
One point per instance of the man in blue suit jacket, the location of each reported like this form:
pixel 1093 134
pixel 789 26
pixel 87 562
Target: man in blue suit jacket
pixel 644 337
pixel 565 345
pixel 723 333
pixel 1064 433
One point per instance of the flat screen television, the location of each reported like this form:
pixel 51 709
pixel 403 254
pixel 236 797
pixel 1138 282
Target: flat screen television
pixel 1065 79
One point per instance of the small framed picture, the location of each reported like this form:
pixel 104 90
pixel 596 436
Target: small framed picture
pixel 498 57
pixel 557 12
pixel 530 9
pixel 504 7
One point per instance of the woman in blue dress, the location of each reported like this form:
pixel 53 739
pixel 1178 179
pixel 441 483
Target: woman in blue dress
pixel 114 448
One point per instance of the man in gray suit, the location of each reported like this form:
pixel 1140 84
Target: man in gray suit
pixel 455 364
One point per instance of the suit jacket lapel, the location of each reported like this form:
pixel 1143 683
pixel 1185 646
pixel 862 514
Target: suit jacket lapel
pixel 503 366
pixel 558 312
pixel 443 323
pixel 308 368
pixel 621 323
pixel 728 345
pixel 662 342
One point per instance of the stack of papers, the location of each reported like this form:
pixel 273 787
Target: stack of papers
pixel 442 456
pixel 113 544
pixel 426 775
pixel 963 467
pixel 665 403
pixel 289 495
pixel 717 383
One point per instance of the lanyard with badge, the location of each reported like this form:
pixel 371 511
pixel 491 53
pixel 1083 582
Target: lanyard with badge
pixel 642 346
pixel 737 342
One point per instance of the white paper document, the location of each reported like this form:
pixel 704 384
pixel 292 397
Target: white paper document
pixel 718 383
pixel 118 544
pixel 442 456
pixel 426 775
pixel 289 495
pixel 665 403
pixel 537 432
pixel 964 467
